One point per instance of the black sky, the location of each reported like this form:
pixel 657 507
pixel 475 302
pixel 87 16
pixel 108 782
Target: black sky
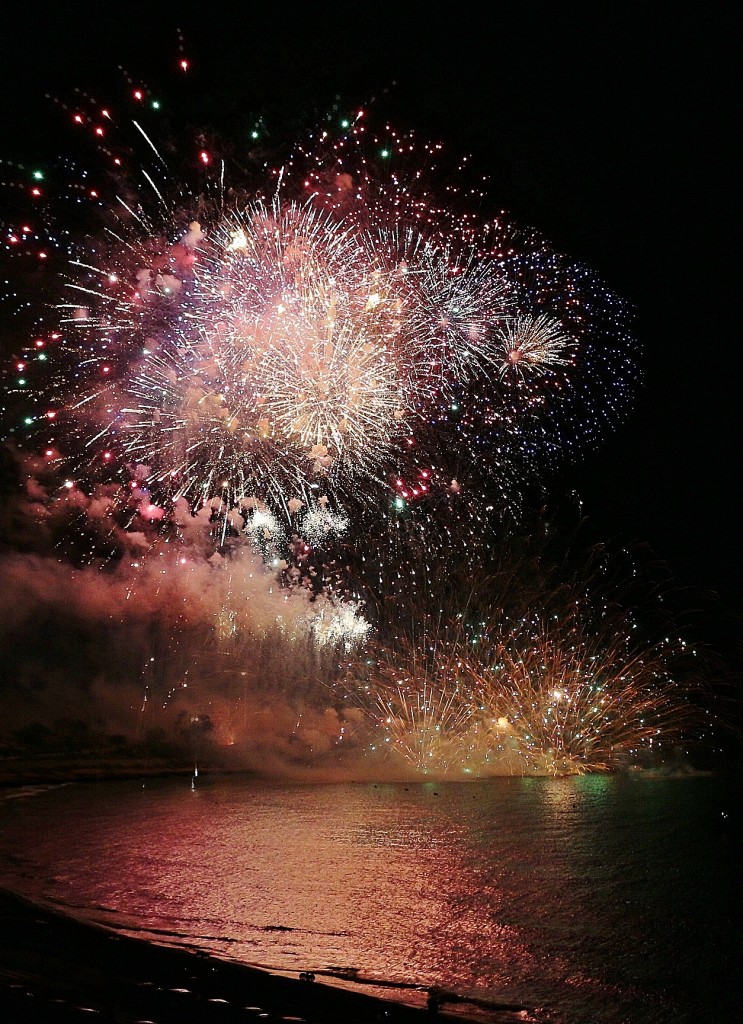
pixel 610 128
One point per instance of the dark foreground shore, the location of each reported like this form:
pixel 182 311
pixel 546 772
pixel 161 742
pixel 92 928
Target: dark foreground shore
pixel 53 968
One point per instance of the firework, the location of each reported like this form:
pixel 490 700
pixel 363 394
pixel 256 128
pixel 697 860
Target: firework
pixel 339 624
pixel 334 331
pixel 531 345
pixel 290 349
pixel 571 702
pixel 278 367
pixel 549 680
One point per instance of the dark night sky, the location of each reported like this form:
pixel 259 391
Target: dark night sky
pixel 609 129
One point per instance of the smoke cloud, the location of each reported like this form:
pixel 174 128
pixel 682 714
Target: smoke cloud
pixel 144 634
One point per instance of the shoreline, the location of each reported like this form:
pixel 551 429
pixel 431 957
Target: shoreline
pixel 51 770
pixel 59 969
pixel 54 770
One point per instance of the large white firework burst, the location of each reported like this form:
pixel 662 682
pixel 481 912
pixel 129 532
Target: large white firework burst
pixel 289 344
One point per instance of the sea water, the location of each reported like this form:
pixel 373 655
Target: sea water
pixel 592 900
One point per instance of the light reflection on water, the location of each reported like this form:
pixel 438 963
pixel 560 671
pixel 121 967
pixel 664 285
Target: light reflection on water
pixel 600 899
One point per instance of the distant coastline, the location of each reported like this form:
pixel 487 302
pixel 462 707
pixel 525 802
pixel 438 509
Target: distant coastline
pixel 28 771
pixel 58 769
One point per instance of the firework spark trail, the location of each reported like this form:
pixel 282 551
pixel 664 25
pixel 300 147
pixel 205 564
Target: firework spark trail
pixel 532 344
pixel 577 703
pixel 425 723
pixel 417 701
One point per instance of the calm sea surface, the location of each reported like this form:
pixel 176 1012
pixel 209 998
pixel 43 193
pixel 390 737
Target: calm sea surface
pixel 594 900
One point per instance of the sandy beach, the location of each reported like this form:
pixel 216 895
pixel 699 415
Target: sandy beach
pixel 54 968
